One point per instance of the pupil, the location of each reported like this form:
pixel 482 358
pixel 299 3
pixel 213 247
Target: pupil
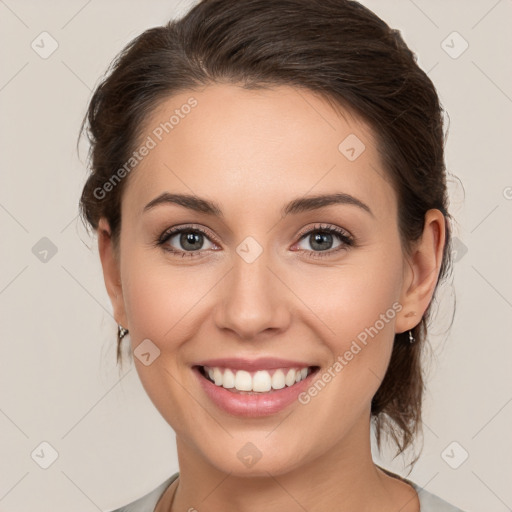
pixel 190 238
pixel 319 238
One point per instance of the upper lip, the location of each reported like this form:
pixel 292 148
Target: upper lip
pixel 262 363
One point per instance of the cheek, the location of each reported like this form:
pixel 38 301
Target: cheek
pixel 162 303
pixel 355 296
pixel 364 300
pixel 162 298
pixel 359 303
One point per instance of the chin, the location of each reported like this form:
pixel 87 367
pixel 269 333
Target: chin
pixel 243 457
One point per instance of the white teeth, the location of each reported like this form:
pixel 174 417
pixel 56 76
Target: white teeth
pixel 243 381
pixel 228 380
pixel 278 380
pixel 217 376
pixel 290 377
pixel 260 381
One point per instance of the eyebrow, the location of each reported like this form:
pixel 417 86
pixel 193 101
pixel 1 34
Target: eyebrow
pixel 299 205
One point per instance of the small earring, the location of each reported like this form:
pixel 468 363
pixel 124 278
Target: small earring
pixel 122 331
pixel 411 337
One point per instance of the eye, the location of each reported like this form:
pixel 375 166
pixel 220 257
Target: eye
pixel 185 241
pixel 322 240
pixel 192 241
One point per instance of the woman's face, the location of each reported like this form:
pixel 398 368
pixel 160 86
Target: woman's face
pixel 274 279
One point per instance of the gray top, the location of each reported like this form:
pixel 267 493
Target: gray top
pixel 428 502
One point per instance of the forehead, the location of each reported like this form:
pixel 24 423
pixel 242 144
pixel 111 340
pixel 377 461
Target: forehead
pixel 258 144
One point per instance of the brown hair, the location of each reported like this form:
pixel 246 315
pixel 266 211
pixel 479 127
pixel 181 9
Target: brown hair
pixel 337 48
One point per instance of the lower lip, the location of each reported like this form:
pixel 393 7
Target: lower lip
pixel 261 404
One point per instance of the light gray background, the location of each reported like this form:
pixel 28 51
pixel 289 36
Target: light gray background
pixel 58 378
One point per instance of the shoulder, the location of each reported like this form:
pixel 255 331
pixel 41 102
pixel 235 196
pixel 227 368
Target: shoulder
pixel 428 502
pixel 147 502
pixel 431 503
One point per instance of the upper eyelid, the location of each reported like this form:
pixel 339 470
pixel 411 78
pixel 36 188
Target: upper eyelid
pixel 326 227
pixel 167 233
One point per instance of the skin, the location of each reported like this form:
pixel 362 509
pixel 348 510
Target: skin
pixel 252 152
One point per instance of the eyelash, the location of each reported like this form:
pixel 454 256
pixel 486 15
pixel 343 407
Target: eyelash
pixel 347 240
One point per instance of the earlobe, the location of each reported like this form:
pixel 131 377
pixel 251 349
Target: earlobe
pixel 422 273
pixel 111 270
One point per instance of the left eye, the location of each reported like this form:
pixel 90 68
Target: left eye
pixel 323 240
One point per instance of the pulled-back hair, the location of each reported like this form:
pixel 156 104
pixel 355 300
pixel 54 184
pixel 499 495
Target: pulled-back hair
pixel 336 48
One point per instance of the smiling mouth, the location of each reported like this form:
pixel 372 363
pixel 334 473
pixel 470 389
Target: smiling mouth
pixel 256 382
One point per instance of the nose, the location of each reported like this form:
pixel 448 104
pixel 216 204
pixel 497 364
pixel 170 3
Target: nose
pixel 254 301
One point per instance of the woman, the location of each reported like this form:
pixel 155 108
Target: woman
pixel 268 189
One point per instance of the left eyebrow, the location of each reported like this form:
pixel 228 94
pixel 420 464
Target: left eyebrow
pixel 296 206
pixel 308 203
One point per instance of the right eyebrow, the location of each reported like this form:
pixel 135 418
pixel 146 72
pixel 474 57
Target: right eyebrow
pixel 188 201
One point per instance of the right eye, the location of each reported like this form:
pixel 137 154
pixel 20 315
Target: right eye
pixel 184 240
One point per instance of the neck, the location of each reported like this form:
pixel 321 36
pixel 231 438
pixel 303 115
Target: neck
pixel 343 479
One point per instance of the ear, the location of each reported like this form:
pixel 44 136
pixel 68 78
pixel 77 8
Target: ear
pixel 421 272
pixel 111 271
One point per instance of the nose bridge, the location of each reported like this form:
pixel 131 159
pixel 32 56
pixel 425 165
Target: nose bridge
pixel 253 298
